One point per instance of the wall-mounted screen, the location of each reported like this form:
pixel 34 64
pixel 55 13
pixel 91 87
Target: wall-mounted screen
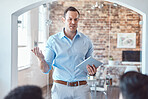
pixel 131 56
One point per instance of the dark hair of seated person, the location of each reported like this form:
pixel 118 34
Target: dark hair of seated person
pixel 134 85
pixel 25 92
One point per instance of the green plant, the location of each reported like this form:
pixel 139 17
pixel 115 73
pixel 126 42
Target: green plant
pixel 111 58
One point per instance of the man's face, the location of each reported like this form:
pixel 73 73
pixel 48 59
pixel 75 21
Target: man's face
pixel 71 21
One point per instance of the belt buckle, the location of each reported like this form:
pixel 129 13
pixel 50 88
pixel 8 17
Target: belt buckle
pixel 68 83
pixel 74 84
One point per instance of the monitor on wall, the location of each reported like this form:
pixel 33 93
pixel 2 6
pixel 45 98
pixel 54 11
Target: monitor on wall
pixel 131 56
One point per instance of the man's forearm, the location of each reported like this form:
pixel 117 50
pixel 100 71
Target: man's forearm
pixel 44 66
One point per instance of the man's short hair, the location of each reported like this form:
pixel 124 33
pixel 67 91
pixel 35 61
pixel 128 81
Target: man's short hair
pixel 71 9
pixel 25 92
pixel 134 85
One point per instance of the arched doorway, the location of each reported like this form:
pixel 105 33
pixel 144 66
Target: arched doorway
pixel 14 26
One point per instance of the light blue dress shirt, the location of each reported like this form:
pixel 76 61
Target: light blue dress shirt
pixel 65 54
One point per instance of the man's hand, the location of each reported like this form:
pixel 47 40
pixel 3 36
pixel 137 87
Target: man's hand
pixel 38 53
pixel 43 65
pixel 91 69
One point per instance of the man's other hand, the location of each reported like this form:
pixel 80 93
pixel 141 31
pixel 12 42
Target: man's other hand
pixel 91 70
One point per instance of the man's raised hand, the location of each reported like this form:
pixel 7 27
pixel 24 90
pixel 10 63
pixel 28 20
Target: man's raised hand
pixel 38 53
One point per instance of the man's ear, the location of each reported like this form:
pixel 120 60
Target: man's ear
pixel 63 19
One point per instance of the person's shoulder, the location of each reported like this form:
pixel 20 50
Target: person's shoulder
pixel 55 36
pixel 84 36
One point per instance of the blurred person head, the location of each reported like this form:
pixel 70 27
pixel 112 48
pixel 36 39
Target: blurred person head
pixel 134 85
pixel 25 92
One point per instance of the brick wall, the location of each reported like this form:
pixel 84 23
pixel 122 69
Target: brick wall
pixel 101 24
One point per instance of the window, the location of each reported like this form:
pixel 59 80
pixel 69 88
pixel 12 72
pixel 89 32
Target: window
pixel 42 28
pixel 23 41
pixel 25 37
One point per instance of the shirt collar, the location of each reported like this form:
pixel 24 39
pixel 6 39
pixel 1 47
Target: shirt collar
pixel 63 35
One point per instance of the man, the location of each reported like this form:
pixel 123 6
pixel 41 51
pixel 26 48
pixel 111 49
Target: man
pixel 65 50
pixel 134 85
pixel 25 92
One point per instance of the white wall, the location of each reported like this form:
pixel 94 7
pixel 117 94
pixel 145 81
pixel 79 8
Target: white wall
pixel 7 55
pixel 7 7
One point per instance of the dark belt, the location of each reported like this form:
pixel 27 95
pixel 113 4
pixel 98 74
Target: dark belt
pixel 77 83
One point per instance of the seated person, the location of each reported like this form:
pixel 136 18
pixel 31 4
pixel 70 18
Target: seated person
pixel 133 85
pixel 25 92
